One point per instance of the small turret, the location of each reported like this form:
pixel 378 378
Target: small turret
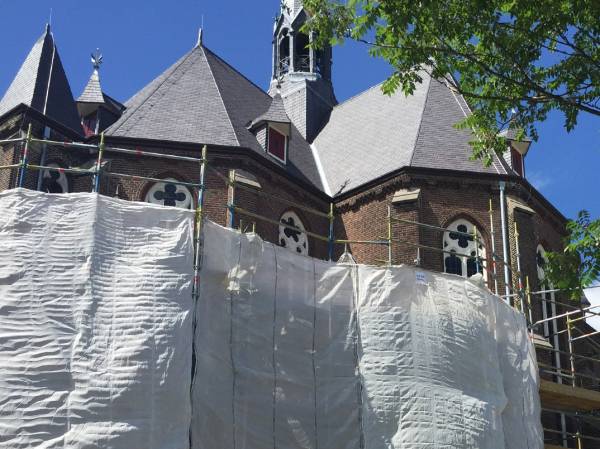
pixel 301 74
pixel 97 110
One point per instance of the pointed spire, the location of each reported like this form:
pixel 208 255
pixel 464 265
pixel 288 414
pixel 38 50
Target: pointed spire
pixel 41 84
pixel 92 93
pixel 199 42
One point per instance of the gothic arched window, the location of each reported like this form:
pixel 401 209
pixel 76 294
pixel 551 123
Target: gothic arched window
pixel 462 254
pixel 290 238
pixel 54 181
pixel 169 194
pixel 540 263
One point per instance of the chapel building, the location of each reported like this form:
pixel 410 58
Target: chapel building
pixel 293 143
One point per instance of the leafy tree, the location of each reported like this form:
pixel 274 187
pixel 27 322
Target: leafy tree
pixel 513 61
pixel 578 266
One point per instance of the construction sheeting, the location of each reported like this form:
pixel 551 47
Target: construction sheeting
pixel 96 332
pixel 95 323
pixel 293 352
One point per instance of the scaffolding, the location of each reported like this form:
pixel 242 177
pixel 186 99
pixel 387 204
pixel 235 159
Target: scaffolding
pixel 572 394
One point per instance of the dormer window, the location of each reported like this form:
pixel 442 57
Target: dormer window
pixel 277 144
pixel 517 162
pixel 90 125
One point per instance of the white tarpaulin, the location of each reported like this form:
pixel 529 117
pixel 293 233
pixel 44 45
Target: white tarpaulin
pixel 298 353
pixel 95 323
pixel 291 352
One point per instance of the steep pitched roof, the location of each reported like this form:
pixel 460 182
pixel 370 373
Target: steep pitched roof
pixel 93 96
pixel 276 113
pixel 92 93
pixel 372 134
pixel 41 83
pixel 202 99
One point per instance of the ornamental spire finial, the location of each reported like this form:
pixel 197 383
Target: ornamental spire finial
pixel 199 43
pixel 97 59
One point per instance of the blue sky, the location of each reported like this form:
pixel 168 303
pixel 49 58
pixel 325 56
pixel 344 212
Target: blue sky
pixel 139 39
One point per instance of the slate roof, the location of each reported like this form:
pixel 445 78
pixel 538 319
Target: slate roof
pixel 41 83
pixel 202 99
pixel 371 135
pixel 276 113
pixel 92 93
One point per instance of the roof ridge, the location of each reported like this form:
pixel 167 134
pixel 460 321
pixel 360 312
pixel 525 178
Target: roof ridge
pixel 50 72
pixel 358 95
pixel 235 70
pixel 418 133
pixel 494 156
pixel 131 112
pixel 227 113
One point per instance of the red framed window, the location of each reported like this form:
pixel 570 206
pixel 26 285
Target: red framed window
pixel 276 144
pixel 89 125
pixel 517 161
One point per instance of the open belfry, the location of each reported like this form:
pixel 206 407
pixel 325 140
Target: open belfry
pixel 366 185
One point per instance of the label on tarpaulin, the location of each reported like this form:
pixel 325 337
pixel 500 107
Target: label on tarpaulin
pixel 421 278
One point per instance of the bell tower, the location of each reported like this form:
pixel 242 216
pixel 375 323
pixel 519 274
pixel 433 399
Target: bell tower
pixel 301 75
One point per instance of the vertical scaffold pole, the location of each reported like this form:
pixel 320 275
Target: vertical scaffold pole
pixel 199 221
pixel 504 226
pixel 25 157
pixel 389 236
pixel 528 299
pixel 197 261
pixel 518 256
pixel 493 235
pixel 231 205
pixel 478 265
pixel 331 233
pixel 99 164
pixel 573 380
pixel 571 355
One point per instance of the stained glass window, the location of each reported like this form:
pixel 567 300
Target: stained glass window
pixel 54 181
pixel 169 194
pixel 463 258
pixel 292 237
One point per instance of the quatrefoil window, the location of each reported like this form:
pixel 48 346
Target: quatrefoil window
pixel 170 194
pixel 291 235
pixel 54 181
pixel 462 256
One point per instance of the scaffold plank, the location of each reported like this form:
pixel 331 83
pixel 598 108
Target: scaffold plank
pixel 565 397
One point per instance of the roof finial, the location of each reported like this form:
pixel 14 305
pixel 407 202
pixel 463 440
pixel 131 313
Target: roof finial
pixel 199 43
pixel 49 24
pixel 97 59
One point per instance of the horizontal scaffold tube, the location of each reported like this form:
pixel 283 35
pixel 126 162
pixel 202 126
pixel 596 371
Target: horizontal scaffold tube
pixel 134 152
pixel 8 167
pixel 5 141
pixel 439 250
pixel 275 222
pixel 437 228
pixel 362 242
pixel 80 171
pixel 282 200
pixel 147 178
